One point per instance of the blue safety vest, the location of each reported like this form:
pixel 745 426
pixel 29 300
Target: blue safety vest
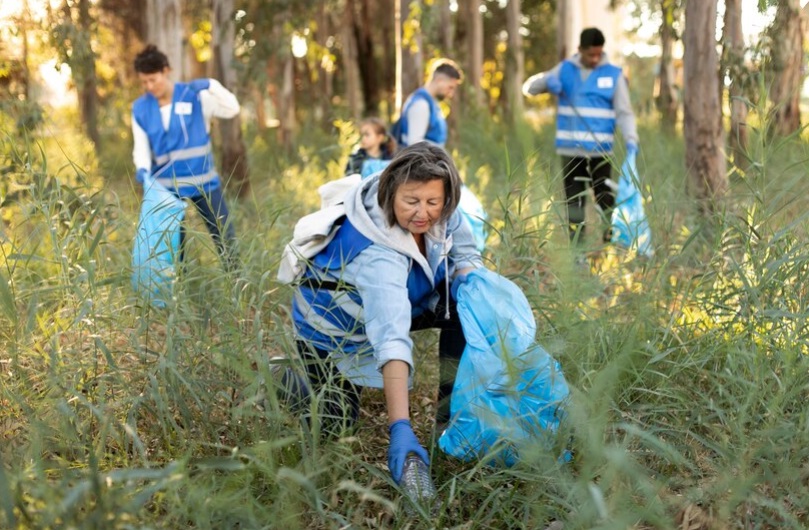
pixel 437 128
pixel 182 158
pixel 327 311
pixel 585 118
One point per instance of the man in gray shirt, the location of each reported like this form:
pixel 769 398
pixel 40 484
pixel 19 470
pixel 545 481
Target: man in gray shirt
pixel 593 98
pixel 422 118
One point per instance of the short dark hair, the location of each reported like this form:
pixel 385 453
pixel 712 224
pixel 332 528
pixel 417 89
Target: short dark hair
pixel 151 60
pixel 420 162
pixel 591 37
pixel 447 67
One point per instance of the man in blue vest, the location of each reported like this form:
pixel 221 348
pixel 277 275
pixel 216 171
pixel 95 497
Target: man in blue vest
pixel 593 97
pixel 422 118
pixel 172 142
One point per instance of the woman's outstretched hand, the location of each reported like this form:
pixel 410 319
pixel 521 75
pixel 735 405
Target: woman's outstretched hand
pixel 402 442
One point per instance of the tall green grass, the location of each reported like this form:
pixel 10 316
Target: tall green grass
pixel 688 370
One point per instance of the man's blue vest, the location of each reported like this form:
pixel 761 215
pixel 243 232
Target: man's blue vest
pixel 586 116
pixel 181 156
pixel 437 128
pixel 337 320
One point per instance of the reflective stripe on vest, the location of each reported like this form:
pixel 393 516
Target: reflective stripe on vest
pixel 586 112
pixel 182 154
pixel 331 315
pixel 585 117
pixel 185 182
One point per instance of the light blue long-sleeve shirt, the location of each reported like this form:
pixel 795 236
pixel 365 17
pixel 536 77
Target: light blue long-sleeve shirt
pixel 380 272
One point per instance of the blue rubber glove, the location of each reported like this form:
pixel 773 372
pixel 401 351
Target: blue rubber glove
pixel 631 149
pixel 456 284
pixel 141 175
pixel 402 442
pixel 199 84
pixel 553 84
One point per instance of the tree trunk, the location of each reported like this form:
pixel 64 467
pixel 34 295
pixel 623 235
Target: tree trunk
pixel 703 114
pixel 515 69
pixel 787 57
pixel 667 100
pixel 733 44
pixel 366 59
pixel 164 29
pixel 83 66
pixel 351 63
pixel 24 23
pixel 286 103
pixel 387 26
pixel 261 109
pixel 398 97
pixel 412 58
pixel 271 91
pixel 235 172
pixel 323 103
pixel 444 27
pixel 563 28
pixel 475 53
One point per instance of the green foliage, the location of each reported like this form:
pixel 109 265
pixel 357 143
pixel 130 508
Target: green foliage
pixel 689 369
pixel 32 162
pixel 72 42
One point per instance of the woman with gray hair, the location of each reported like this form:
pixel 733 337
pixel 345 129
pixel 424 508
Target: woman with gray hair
pixel 387 272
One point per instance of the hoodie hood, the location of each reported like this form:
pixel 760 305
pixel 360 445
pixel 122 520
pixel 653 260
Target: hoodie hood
pixel 576 59
pixel 365 213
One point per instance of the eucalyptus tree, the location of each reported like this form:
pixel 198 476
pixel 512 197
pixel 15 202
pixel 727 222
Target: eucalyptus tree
pixel 733 51
pixel 235 170
pixel 668 100
pixel 786 61
pixel 515 61
pixel 72 34
pixel 163 27
pixel 704 144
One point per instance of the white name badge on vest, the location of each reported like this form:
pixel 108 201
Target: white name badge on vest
pixel 183 108
pixel 604 82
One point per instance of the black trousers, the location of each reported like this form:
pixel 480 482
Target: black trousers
pixel 581 173
pixel 212 207
pixel 340 406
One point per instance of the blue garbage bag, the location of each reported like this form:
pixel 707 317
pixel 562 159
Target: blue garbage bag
pixel 509 393
pixel 630 227
pixel 472 210
pixel 157 242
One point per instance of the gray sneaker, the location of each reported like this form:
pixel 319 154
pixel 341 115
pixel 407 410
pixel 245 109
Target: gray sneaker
pixel 292 388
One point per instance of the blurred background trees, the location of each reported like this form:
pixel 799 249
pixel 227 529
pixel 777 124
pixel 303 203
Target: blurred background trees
pixel 299 66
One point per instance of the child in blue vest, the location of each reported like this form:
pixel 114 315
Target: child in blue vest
pixel 593 100
pixel 387 272
pixel 172 143
pixel 375 150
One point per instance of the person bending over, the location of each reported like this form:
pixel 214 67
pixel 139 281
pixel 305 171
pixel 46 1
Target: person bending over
pixel 387 272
